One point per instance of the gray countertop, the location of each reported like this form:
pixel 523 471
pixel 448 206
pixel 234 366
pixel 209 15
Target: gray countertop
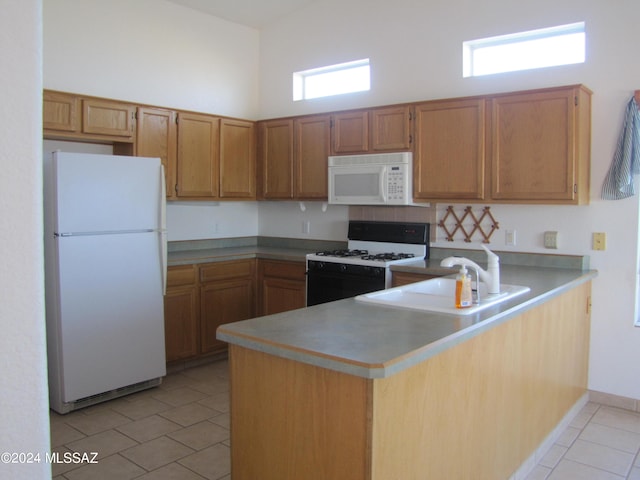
pixel 206 255
pixel 375 341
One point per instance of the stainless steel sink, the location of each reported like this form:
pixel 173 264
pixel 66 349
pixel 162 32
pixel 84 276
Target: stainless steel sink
pixel 437 295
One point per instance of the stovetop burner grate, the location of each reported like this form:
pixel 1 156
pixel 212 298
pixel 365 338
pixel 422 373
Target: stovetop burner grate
pixel 388 256
pixel 343 253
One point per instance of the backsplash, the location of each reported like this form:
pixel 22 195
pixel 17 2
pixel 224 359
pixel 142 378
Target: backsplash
pixel 426 214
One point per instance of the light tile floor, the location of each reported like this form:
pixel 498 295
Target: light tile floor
pixel 180 430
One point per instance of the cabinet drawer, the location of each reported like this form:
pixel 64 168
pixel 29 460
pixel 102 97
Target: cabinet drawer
pixel 226 270
pixel 291 270
pixel 181 275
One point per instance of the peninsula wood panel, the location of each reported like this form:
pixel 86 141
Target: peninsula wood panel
pixel 480 409
pixel 476 410
pixel 292 421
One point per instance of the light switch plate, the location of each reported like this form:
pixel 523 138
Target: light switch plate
pixel 599 240
pixel 550 239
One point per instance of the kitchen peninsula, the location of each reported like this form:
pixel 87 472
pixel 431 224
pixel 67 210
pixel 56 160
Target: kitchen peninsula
pixel 347 390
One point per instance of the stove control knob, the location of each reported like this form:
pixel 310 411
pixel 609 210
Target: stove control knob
pixel 343 268
pixel 379 270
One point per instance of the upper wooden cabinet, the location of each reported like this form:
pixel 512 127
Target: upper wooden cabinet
pixel 391 128
pixel 540 146
pixel 350 133
pixel 276 159
pixel 449 155
pixel 106 117
pixel 311 153
pixel 293 157
pixel 60 112
pixel 198 155
pixel 373 130
pixel 237 159
pixel 75 117
pixel 522 147
pixel 156 136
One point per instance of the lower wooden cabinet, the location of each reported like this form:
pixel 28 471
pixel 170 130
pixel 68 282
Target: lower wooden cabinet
pixel 201 297
pixel 181 313
pixel 281 286
pixel 227 294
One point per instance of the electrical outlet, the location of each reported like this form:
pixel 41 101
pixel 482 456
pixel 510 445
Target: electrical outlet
pixel 306 226
pixel 599 241
pixel 550 239
pixel 510 238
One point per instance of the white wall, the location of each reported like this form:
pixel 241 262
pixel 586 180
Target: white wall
pixel 415 50
pixel 153 52
pixel 286 219
pixel 24 419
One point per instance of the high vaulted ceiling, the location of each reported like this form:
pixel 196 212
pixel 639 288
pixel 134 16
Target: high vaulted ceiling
pixel 253 13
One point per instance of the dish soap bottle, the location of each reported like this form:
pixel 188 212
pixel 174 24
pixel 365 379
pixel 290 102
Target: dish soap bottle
pixel 463 289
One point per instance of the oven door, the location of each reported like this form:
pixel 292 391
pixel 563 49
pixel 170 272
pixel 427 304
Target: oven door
pixel 328 281
pixel 358 185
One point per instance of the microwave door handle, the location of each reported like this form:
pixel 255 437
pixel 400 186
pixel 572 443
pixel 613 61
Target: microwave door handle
pixel 383 182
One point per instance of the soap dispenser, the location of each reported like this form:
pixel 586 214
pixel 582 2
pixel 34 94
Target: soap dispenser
pixel 464 298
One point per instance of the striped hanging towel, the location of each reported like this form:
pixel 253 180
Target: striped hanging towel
pixel 618 183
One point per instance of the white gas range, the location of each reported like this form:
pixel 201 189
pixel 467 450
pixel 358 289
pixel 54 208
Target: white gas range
pixel 365 265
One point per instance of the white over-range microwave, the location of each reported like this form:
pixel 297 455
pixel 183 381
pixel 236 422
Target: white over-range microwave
pixel 371 179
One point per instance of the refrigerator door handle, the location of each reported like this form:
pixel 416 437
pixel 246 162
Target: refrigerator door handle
pixel 163 228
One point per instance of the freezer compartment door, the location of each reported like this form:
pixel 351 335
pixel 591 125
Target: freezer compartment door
pixel 110 318
pixel 98 193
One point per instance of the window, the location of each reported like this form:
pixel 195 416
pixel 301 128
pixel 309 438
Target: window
pixel 332 80
pixel 547 47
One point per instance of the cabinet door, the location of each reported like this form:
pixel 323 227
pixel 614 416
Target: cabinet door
pixel 181 313
pixel 221 302
pixel 237 159
pixel 391 129
pixel 350 132
pixel 532 146
pixel 312 146
pixel 198 149
pixel 156 137
pixel 104 117
pixel 276 159
pixel 449 159
pixel 282 286
pixel 60 112
pixel 181 322
pixel 280 295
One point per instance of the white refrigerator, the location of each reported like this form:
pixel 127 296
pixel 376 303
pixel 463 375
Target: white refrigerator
pixel 105 271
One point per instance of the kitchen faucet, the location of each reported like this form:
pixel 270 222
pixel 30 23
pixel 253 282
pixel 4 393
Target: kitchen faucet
pixel 490 276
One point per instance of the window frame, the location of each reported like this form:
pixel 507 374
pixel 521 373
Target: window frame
pixel 300 78
pixel 471 46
